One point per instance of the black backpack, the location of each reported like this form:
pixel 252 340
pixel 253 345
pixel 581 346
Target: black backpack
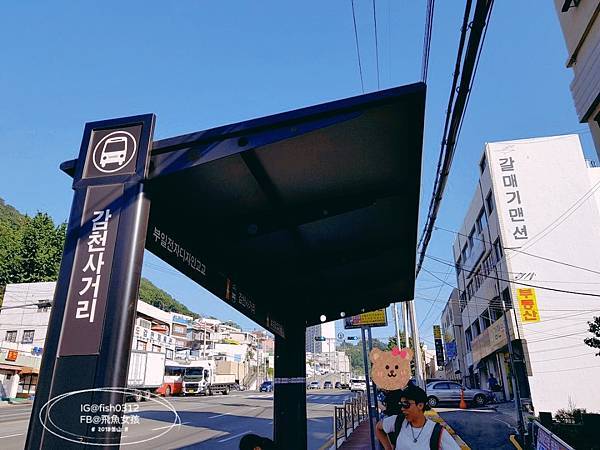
pixel 435 442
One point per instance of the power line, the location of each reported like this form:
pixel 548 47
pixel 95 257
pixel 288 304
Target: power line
pixel 427 39
pixel 455 112
pixel 520 251
pixel 362 84
pixel 435 301
pixel 376 42
pixel 568 370
pixel 562 357
pixel 566 291
pixel 561 218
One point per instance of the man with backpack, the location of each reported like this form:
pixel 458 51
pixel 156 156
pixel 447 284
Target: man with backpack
pixel 411 429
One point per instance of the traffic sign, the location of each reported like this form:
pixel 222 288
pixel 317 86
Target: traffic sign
pixel 377 318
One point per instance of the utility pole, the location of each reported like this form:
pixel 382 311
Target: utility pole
pixel 416 344
pixel 515 382
pixel 405 323
pixel 395 311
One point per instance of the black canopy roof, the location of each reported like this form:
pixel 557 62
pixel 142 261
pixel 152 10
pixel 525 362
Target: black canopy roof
pixel 296 215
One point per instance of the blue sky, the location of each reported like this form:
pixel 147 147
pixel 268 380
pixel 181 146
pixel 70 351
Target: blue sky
pixel 202 64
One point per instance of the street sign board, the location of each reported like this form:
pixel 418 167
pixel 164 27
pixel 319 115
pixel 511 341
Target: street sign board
pixel 340 335
pixel 439 345
pixel 377 318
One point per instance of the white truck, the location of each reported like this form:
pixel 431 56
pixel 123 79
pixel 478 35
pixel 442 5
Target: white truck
pixel 201 377
pixel 146 372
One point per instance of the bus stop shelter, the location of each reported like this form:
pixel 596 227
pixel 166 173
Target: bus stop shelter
pixel 292 219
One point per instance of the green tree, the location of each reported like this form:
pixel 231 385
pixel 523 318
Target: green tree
pixel 157 297
pixel 30 249
pixel 594 341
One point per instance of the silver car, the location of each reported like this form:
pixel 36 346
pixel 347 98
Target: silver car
pixel 449 391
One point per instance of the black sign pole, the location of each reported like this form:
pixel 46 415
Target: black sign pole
pixel 368 382
pixel 91 325
pixel 375 403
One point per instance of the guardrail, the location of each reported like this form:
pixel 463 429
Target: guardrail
pixel 544 438
pixel 349 416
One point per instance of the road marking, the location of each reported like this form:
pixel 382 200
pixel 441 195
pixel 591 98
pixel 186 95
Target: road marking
pixel 11 435
pixel 505 423
pixel 514 441
pixel 234 436
pixel 232 412
pixel 15 414
pixel 169 426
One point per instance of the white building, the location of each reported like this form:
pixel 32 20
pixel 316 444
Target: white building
pixel 533 218
pixel 326 330
pixel 24 322
pixel 580 23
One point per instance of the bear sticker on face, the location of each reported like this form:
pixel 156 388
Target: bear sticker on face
pixel 391 370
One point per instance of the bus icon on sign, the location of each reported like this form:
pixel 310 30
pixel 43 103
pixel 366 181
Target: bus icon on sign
pixel 114 151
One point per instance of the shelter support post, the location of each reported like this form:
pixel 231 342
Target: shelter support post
pixel 290 390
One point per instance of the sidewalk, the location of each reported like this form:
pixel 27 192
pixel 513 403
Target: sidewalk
pixel 361 436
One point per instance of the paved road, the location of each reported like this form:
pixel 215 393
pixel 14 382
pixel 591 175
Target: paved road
pixel 206 422
pixel 481 429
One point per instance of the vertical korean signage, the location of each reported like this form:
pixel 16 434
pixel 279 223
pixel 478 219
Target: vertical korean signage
pixel 439 345
pixel 113 155
pixel 514 211
pixel 528 305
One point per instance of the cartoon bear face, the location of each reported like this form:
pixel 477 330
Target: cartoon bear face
pixel 391 370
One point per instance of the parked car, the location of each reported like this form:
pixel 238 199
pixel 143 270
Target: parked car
pixel 314 385
pixel 266 386
pixel 338 385
pixel 327 385
pixel 449 391
pixel 357 385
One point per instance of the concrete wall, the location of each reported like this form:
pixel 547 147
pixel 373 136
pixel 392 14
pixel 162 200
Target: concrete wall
pixel 581 28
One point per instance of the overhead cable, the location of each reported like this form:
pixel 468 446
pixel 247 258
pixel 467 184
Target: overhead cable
pixel 427 39
pixel 362 83
pixel 376 43
pixel 455 112
pixel 537 286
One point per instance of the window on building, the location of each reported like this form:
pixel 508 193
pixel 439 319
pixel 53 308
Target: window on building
pixel 28 336
pixel 27 384
pixel 486 320
pixel 169 354
pixel 44 305
pixel 495 309
pixel 471 234
pixel 481 220
pixel 482 164
pixel 489 202
pixel 141 345
pixel 468 338
pixel 464 252
pixel 498 250
pixel 156 348
pixel 457 266
pixel 463 300
pixel 11 336
pixel 507 299
pixel 476 328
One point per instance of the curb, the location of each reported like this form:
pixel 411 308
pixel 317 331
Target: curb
pixel 433 415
